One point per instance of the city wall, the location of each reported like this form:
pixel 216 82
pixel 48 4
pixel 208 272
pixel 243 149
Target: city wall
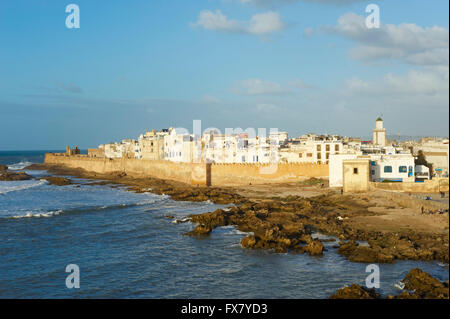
pixel 244 174
pixel 194 173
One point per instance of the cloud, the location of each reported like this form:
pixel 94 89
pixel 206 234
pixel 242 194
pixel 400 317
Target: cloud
pixel 69 87
pixel 406 42
pixel 427 83
pixel 259 24
pixel 259 87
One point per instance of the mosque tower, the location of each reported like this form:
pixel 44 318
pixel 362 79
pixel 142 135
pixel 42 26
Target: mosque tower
pixel 379 133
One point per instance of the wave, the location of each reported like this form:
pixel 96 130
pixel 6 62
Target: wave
pixel 38 215
pixel 20 165
pixel 83 209
pixel 7 187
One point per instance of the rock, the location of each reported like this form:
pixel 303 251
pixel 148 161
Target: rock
pixel 419 283
pixel 12 176
pixel 355 292
pixel 314 247
pixel 248 242
pixel 200 230
pixel 58 181
pixel 364 254
pixel 3 168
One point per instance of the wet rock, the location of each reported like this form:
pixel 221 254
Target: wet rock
pixel 13 176
pixel 355 292
pixel 364 254
pixel 248 242
pixel 58 181
pixel 200 230
pixel 3 168
pixel 314 248
pixel 420 284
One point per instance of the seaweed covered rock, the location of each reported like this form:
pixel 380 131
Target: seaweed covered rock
pixel 315 247
pixel 419 284
pixel 355 292
pixel 58 181
pixel 13 176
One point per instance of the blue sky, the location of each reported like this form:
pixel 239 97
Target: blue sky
pixel 298 65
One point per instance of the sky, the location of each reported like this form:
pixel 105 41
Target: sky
pixel 301 66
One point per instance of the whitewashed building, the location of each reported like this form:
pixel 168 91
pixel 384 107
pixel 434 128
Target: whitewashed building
pixel 395 167
pixel 178 147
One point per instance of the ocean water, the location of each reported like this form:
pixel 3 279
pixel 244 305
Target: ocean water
pixel 126 247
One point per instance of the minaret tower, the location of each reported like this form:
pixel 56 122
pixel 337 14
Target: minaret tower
pixel 379 133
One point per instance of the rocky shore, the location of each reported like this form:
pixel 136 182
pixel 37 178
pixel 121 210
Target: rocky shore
pixel 286 223
pixel 417 284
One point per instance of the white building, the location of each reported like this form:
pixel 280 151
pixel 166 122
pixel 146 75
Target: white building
pixel 314 149
pixel 396 167
pixel 235 148
pixel 422 172
pixel 435 152
pixel 178 147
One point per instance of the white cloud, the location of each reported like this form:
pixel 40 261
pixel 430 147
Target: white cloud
pixel 406 42
pixel 258 87
pixel 259 24
pixel 431 81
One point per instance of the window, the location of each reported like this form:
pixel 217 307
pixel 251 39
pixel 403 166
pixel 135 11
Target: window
pixel 300 155
pixel 327 147
pixel 328 155
pixel 336 147
pixel 319 155
pixel 318 148
pixel 402 169
pixel 309 155
pixel 388 169
pixel 355 170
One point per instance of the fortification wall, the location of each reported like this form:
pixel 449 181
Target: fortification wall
pixel 243 174
pixel 182 172
pixel 194 173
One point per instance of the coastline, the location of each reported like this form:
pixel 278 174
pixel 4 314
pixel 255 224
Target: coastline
pixel 289 220
pixel 285 220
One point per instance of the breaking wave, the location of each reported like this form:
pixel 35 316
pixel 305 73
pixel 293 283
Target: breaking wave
pixel 38 215
pixel 84 209
pixel 20 165
pixel 7 187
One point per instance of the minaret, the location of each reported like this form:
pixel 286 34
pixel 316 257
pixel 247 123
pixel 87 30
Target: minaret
pixel 379 133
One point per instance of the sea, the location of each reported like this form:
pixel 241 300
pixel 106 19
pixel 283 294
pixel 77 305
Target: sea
pixel 125 245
